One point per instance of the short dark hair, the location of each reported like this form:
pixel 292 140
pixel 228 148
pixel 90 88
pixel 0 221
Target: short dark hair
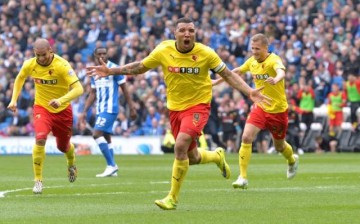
pixel 98 48
pixel 183 20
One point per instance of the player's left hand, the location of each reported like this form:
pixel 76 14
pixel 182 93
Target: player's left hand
pixel 260 99
pixel 55 103
pixel 272 80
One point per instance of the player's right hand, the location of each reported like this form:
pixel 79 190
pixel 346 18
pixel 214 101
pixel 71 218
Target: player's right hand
pixel 12 106
pixel 55 103
pixel 98 71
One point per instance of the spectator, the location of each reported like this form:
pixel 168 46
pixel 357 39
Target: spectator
pixel 212 127
pixel 168 142
pixel 352 91
pixel 306 97
pixel 229 117
pixel 325 143
pixel 336 101
pixel 294 133
pixel 149 119
pixel 318 33
pixel 93 34
pixel 122 125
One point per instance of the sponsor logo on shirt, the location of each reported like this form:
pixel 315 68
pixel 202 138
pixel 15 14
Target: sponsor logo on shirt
pixel 184 70
pixel 260 76
pixel 46 82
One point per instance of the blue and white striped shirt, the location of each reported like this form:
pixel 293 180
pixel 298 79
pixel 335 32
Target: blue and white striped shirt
pixel 107 91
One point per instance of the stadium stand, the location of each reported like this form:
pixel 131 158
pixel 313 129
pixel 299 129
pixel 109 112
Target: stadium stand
pixel 319 42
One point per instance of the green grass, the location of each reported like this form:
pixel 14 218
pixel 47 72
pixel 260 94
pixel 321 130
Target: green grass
pixel 326 190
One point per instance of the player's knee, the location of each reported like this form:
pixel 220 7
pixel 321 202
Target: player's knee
pixel 193 154
pixel 246 138
pixel 40 141
pixel 40 138
pixel 184 141
pixel 194 160
pixel 97 134
pixel 280 146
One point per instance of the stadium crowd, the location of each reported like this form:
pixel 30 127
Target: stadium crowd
pixel 319 42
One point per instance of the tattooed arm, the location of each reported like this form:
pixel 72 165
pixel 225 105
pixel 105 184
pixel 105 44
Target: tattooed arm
pixel 235 81
pixel 238 83
pixel 102 70
pixel 133 68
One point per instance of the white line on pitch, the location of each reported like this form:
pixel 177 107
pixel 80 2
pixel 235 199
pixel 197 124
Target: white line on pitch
pixel 284 189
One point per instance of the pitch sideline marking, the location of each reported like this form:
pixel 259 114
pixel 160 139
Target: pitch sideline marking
pixel 2 193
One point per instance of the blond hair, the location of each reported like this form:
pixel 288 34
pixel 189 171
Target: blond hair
pixel 260 37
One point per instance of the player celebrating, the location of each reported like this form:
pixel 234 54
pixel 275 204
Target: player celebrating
pixel 53 77
pixel 106 92
pixel 267 70
pixel 186 66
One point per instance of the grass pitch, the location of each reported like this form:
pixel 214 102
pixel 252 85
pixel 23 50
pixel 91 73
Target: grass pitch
pixel 326 190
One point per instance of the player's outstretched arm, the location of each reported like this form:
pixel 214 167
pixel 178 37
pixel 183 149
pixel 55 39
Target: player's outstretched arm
pixel 238 83
pixel 220 80
pixel 217 81
pixel 102 70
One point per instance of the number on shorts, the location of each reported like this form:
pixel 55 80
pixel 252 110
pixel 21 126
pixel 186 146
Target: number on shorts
pixel 100 121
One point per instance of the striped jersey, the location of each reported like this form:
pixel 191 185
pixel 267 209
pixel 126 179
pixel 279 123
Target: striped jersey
pixel 107 91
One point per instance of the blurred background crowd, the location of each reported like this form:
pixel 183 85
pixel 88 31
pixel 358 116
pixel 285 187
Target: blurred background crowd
pixel 319 42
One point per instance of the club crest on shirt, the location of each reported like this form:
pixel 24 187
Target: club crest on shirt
pixel 194 57
pixel 51 71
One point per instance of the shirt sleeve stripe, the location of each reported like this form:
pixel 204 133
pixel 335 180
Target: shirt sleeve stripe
pixel 220 67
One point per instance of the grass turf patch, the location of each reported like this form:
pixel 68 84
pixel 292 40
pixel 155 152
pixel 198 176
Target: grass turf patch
pixel 326 189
